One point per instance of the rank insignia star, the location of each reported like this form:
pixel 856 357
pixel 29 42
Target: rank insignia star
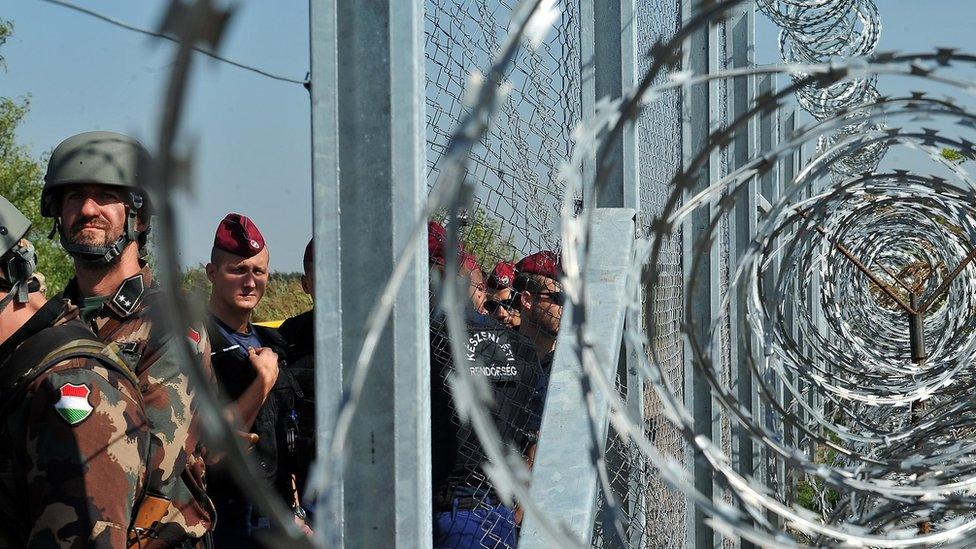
pixel 73 406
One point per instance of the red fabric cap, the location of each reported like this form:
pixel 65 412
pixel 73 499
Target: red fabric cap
pixel 467 261
pixel 239 235
pixel 502 276
pixel 544 263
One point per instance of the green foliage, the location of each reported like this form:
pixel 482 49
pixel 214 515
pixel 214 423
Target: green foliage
pixel 20 183
pixel 954 156
pixel 808 496
pixel 6 30
pixel 283 298
pixel 482 237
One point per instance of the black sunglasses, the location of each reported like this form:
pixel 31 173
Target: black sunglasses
pixel 492 305
pixel 555 297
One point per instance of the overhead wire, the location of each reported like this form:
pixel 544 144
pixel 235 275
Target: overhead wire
pixel 164 36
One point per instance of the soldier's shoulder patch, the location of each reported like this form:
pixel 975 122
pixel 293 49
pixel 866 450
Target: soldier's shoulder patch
pixel 73 406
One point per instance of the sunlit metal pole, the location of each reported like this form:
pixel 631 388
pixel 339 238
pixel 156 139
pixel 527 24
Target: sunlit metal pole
pixel 368 159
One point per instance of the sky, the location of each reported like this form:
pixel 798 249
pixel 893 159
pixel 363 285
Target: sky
pixel 250 134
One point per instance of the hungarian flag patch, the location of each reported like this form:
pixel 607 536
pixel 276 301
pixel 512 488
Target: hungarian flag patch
pixel 74 406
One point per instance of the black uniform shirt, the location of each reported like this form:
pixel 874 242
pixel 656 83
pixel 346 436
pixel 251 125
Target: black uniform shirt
pixel 515 378
pixel 235 374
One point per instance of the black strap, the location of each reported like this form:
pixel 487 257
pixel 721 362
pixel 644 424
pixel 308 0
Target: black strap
pixel 34 349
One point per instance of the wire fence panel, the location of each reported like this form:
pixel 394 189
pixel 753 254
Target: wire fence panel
pixel 514 170
pixel 515 211
pixel 654 515
pixel 659 142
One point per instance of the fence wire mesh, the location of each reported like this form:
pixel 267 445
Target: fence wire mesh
pixel 654 514
pixel 515 212
pixel 514 170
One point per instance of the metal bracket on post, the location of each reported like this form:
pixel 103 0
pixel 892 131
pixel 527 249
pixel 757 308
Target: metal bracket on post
pixel 564 481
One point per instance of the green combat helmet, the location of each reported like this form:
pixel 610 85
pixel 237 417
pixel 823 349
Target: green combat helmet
pixel 99 158
pixel 17 257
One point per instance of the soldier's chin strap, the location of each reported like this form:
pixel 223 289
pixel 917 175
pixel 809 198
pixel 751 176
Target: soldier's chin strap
pixel 99 256
pixel 18 266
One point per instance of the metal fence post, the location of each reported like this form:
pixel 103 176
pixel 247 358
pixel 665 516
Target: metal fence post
pixel 369 112
pixel 608 59
pixel 325 222
pixel 787 170
pixel 608 65
pixel 768 185
pixel 745 217
pixel 699 57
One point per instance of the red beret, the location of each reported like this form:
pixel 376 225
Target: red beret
pixel 544 263
pixel 502 276
pixel 467 261
pixel 239 235
pixel 435 242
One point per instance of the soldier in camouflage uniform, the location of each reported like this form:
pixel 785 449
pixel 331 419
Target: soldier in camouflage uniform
pixel 94 190
pixel 75 435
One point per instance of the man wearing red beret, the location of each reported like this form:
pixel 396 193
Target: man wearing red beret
pixel 248 361
pixel 502 303
pixel 540 301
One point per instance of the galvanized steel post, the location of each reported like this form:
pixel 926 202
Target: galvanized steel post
pixel 609 64
pixel 699 56
pixel 325 229
pixel 371 112
pixel 608 57
pixel 744 222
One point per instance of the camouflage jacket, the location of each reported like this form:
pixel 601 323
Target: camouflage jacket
pixel 76 439
pixel 176 469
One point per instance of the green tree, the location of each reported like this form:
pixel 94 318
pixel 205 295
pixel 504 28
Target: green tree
pixel 20 183
pixel 482 237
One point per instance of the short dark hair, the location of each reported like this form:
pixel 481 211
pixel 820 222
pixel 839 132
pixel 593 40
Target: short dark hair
pixel 309 257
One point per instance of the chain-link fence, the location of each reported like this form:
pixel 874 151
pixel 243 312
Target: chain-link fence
pixel 517 195
pixel 514 170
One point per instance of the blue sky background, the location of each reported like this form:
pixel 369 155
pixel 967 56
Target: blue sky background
pixel 252 133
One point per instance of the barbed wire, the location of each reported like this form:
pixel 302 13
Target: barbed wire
pixel 847 386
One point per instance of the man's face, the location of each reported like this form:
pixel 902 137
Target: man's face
pixel 308 280
pixel 238 282
pixel 545 308
pixel 499 305
pixel 93 215
pixel 476 288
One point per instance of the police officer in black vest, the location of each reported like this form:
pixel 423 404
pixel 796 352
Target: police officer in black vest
pixel 299 332
pixel 467 509
pixel 249 362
